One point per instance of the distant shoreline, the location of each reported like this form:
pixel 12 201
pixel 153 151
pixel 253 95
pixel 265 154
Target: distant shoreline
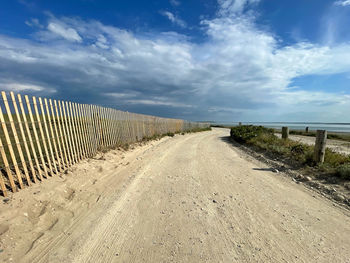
pixel 277 122
pixel 335 128
pixel 311 131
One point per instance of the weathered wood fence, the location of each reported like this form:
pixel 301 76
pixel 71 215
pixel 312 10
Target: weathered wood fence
pixel 43 137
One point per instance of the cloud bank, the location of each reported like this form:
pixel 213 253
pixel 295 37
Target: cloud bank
pixel 239 72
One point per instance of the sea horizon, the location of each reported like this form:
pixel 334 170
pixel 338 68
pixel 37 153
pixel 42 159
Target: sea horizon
pixel 313 126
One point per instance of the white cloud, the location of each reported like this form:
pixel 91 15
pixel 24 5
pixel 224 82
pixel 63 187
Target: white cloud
pixel 175 2
pixel 238 72
pixel 34 22
pixel 102 42
pixel 174 19
pixel 342 2
pixel 18 87
pixel 157 102
pixel 67 33
pixel 232 7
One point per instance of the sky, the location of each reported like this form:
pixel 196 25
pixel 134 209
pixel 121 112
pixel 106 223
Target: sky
pixel 201 60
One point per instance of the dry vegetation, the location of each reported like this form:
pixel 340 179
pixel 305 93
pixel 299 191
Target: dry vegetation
pixel 330 135
pixel 262 138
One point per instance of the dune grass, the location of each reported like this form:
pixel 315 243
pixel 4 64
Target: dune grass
pixel 330 135
pixel 264 139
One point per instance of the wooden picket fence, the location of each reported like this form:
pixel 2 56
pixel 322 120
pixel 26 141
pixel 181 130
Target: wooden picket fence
pixel 43 137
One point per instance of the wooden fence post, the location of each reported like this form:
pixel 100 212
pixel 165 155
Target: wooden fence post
pixel 285 132
pixel 320 145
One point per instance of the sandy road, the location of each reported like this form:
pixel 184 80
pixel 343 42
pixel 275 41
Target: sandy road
pixel 196 198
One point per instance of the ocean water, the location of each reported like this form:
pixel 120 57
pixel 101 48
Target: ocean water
pixel 313 126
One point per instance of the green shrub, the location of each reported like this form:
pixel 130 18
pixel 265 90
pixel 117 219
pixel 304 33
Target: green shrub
pixel 344 171
pixel 335 159
pixel 278 149
pixel 264 138
pixel 308 158
pixel 297 149
pixel 335 136
pixel 246 132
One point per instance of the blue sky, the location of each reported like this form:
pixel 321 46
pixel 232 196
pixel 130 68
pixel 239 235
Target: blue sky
pixel 223 60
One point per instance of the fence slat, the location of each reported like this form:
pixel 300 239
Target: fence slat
pixel 104 112
pixel 87 112
pixel 91 130
pixel 57 136
pixel 108 116
pixel 96 127
pixel 48 136
pixel 71 132
pixel 7 168
pixel 15 135
pixel 67 135
pixel 87 133
pixel 104 118
pixel 111 114
pixel 9 145
pixel 75 131
pixel 104 125
pixel 52 134
pixel 110 131
pixel 100 127
pixel 36 137
pixel 63 138
pixel 31 143
pixel 82 136
pixel 2 185
pixel 25 143
pixel 84 127
pixel 42 134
